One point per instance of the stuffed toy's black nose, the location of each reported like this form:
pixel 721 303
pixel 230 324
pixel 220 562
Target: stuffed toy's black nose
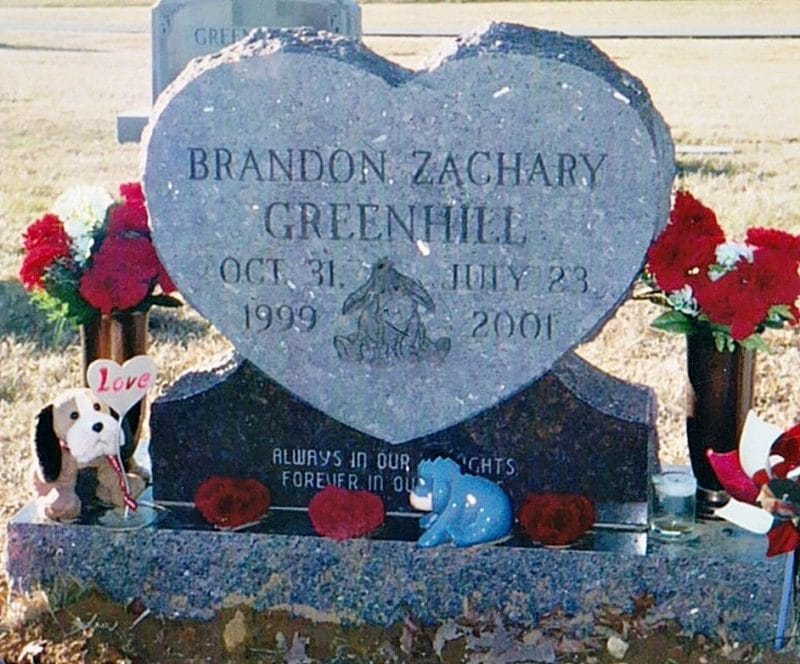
pixel 97 427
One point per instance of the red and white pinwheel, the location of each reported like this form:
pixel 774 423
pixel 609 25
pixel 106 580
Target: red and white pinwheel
pixel 762 479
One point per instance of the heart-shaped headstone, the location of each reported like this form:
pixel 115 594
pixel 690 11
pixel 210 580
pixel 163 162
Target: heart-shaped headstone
pixel 120 387
pixel 403 249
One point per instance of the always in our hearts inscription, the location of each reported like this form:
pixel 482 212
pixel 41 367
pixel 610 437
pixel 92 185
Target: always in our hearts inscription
pixel 403 250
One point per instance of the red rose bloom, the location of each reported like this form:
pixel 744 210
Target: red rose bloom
pixel 121 275
pixel 555 519
pixel 686 247
pixel 229 502
pixel 45 242
pixel 341 514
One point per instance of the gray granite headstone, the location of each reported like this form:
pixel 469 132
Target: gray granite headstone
pixel 185 29
pixel 403 250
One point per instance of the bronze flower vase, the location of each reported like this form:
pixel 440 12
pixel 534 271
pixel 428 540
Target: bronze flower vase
pixel 719 395
pixel 118 337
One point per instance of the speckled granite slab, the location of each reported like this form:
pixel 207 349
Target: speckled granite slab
pixel 575 430
pixel 182 568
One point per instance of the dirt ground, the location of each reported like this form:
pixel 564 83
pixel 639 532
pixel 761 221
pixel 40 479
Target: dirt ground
pixel 90 628
pixel 59 94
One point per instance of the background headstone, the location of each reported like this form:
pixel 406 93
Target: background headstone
pixel 185 29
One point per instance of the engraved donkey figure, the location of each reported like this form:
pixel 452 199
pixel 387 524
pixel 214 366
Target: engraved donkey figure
pixel 389 323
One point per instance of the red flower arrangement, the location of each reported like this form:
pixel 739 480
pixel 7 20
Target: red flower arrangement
pixel 94 256
pixel 556 519
pixel 730 290
pixel 229 502
pixel 342 514
pixel 773 487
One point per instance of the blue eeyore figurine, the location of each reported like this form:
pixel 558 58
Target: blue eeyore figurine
pixel 464 509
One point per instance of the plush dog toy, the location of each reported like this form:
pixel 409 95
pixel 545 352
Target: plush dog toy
pixel 464 509
pixel 77 431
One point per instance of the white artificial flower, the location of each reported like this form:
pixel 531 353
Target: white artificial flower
pixel 683 300
pixel 730 253
pixel 82 210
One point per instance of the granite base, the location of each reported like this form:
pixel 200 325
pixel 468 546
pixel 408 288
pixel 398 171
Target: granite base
pixel 180 567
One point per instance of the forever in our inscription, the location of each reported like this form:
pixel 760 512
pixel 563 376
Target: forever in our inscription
pixel 389 325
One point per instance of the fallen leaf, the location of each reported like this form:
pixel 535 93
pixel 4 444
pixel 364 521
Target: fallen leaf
pixel 410 630
pixel 642 604
pixel 448 631
pixel 235 634
pixel 297 653
pixel 32 652
pixel 617 647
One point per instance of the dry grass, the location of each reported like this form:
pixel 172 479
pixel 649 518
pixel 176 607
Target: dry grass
pixel 60 93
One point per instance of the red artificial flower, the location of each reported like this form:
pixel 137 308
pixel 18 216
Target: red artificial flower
pixel 49 231
pixel 45 242
pixel 774 276
pixel 727 467
pixel 555 519
pixel 129 216
pixel 783 538
pixel 164 280
pixel 771 238
pixel 743 297
pixel 686 248
pixel 342 514
pixel 732 300
pixel 132 193
pixel 229 502
pixel 122 274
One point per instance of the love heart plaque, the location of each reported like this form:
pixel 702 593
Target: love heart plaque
pixel 400 249
pixel 120 387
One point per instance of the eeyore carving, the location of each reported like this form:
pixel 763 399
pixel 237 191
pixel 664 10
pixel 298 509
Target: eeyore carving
pixel 390 328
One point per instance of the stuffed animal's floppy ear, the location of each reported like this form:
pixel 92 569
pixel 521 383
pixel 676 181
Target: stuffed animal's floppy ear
pixel 48 447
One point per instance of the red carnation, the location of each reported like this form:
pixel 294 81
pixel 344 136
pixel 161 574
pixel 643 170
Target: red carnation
pixel 342 514
pixel 774 276
pixel 742 298
pixel 132 193
pixel 229 502
pixel 165 281
pixel 122 274
pixel 555 519
pixel 771 238
pixel 131 215
pixel 45 242
pixel 49 230
pixel 730 301
pixel 686 248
